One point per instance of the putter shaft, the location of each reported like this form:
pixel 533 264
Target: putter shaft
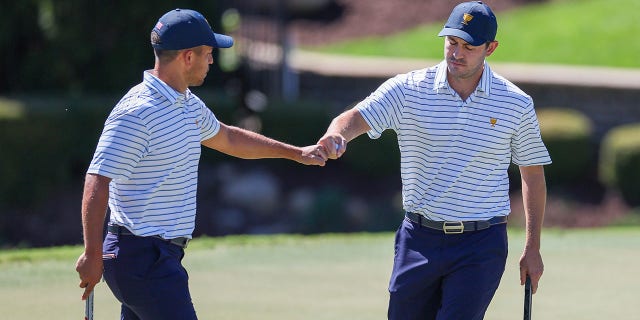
pixel 527 299
pixel 88 307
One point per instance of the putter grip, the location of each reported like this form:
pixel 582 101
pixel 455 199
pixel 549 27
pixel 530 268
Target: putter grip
pixel 88 307
pixel 527 299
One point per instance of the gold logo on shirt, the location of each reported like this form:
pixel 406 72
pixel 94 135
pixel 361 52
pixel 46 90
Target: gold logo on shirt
pixel 466 18
pixel 493 121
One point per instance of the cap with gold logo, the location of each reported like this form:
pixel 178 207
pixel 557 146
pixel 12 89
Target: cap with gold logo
pixel 184 28
pixel 473 22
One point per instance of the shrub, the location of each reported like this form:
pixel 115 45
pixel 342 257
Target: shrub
pixel 45 147
pixel 375 158
pixel 302 123
pixel 620 160
pixel 567 134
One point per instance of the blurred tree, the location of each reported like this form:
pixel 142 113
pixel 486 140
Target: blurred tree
pixel 81 45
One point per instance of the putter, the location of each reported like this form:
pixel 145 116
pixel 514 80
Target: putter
pixel 88 307
pixel 527 299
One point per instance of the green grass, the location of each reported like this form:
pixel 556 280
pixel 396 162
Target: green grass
pixel 577 32
pixel 590 274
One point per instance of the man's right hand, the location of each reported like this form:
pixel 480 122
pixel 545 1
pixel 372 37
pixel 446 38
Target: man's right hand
pixel 89 268
pixel 313 155
pixel 334 144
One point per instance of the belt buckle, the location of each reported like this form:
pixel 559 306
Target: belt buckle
pixel 453 227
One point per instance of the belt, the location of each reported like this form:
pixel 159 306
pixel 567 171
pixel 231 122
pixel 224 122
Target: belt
pixel 455 227
pixel 120 230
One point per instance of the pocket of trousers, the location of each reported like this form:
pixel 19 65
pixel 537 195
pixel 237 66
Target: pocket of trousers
pixel 110 247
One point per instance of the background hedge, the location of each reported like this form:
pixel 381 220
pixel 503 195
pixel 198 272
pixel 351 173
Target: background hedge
pixel 568 135
pixel 73 46
pixel 620 162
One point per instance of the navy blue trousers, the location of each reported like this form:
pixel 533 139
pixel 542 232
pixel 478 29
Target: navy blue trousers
pixel 146 275
pixel 445 276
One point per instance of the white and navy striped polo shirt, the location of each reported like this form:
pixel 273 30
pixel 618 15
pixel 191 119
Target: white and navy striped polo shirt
pixel 150 148
pixel 454 153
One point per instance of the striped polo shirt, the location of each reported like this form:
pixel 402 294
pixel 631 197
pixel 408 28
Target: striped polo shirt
pixel 454 153
pixel 150 148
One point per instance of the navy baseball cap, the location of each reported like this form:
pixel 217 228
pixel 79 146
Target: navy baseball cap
pixel 473 22
pixel 183 28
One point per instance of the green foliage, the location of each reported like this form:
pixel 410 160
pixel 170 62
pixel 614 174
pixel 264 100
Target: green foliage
pixel 620 160
pixel 302 123
pixel 47 142
pixel 45 150
pixel 78 45
pixel 586 32
pixel 375 158
pixel 567 133
pixel 327 213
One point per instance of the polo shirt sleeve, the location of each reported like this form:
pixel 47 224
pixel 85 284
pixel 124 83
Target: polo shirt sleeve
pixel 527 148
pixel 382 109
pixel 123 143
pixel 209 124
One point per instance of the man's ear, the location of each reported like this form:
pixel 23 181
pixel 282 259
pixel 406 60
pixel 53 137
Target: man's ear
pixel 186 56
pixel 491 47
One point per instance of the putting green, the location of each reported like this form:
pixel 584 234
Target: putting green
pixel 590 274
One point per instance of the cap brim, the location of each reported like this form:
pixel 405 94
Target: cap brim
pixel 222 41
pixel 460 34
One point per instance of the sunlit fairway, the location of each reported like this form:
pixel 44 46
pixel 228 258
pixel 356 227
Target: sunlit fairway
pixel 575 32
pixel 590 274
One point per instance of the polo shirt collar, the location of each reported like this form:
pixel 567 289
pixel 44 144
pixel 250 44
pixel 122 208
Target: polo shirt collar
pixel 441 85
pixel 164 89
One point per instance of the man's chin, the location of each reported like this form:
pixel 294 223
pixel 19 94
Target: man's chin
pixel 197 83
pixel 453 69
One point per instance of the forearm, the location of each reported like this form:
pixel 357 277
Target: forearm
pixel 245 144
pixel 350 124
pixel 534 195
pixel 94 206
pixel 342 129
pixel 250 145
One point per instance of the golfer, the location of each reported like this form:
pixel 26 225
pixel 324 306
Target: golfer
pixel 145 169
pixel 459 126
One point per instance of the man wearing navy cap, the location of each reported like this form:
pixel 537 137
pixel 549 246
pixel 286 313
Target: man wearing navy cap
pixel 145 170
pixel 459 126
